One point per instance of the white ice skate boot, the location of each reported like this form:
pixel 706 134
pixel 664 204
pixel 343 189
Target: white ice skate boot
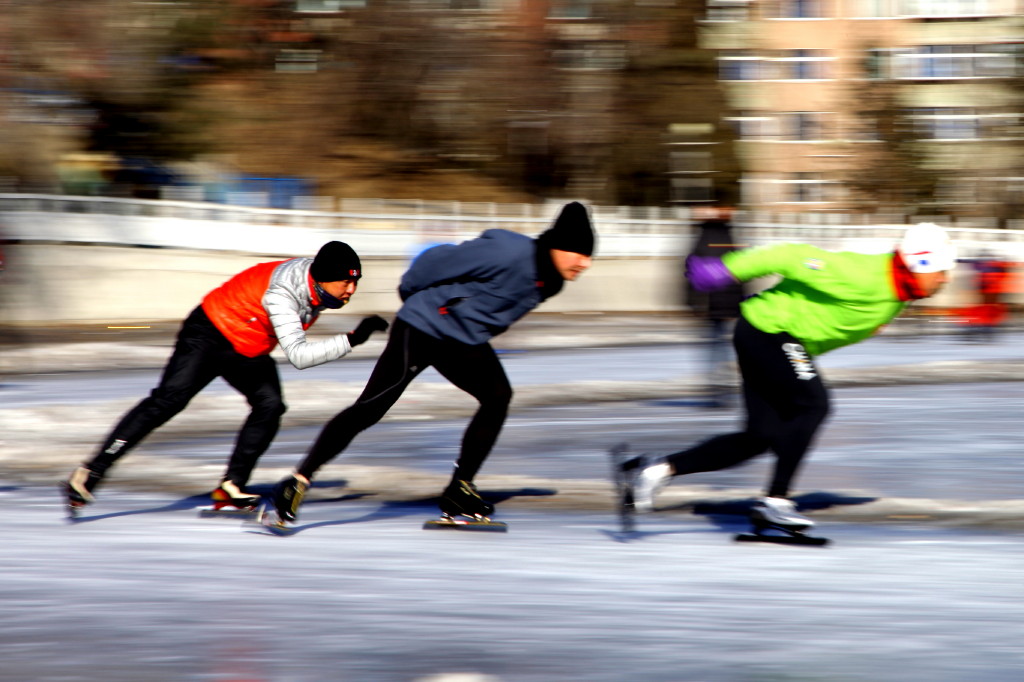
pixel 778 511
pixel 648 478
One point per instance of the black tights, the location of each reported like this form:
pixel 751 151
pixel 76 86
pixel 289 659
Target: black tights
pixel 786 402
pixel 474 369
pixel 201 354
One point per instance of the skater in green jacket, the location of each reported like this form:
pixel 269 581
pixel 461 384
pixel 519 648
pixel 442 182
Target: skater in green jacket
pixel 825 300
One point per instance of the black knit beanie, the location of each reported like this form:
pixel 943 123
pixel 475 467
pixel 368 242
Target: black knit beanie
pixel 571 232
pixel 334 262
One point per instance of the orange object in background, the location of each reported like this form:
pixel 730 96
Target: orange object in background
pixel 983 314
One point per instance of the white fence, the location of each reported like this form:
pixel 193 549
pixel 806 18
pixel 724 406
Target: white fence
pixel 67 262
pixel 393 228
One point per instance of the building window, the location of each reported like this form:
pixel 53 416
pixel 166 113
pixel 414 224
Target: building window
pixel 878 63
pixel 945 123
pixel 959 61
pixel 594 56
pixel 802 65
pixel 739 65
pixel 327 6
pixel 297 61
pixel 728 10
pixel 571 9
pixel 690 162
pixel 802 188
pixel 873 9
pixel 803 126
pixel 956 8
pixel 964 123
pixel 800 9
pixel 691 190
pixel 753 125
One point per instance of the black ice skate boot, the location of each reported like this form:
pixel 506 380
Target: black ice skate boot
pixel 460 498
pixel 288 497
pixel 77 490
pixel 227 494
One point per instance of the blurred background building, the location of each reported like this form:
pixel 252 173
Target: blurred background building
pixel 856 104
pixel 199 126
pixel 899 106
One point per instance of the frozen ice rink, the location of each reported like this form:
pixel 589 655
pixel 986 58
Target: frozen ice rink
pixel 148 591
pixel 919 487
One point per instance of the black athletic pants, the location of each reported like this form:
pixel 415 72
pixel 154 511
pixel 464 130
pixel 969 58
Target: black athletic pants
pixel 201 354
pixel 786 402
pixel 474 369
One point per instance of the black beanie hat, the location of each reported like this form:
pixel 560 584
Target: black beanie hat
pixel 571 231
pixel 334 262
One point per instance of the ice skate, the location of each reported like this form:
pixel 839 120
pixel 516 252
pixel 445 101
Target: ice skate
pixel 461 498
pixel 638 479
pixel 775 519
pixel 229 500
pixel 77 490
pixel 462 508
pixel 622 478
pixel 288 497
pixel 650 476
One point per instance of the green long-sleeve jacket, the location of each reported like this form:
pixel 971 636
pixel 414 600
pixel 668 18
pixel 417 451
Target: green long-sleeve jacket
pixel 826 299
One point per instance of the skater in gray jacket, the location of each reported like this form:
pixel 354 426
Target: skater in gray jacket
pixel 456 298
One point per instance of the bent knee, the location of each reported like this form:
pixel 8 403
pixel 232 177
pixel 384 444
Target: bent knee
pixel 499 398
pixel 270 407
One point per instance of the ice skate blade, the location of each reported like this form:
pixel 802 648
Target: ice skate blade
pixel 623 492
pixel 466 523
pixel 785 539
pixel 72 511
pixel 228 513
pixel 266 522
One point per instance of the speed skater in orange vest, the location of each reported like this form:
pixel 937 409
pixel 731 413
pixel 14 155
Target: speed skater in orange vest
pixel 230 335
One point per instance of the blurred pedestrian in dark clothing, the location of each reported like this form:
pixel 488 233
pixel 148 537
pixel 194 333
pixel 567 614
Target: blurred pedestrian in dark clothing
pixel 718 310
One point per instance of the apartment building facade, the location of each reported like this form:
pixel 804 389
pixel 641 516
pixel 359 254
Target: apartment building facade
pixel 813 85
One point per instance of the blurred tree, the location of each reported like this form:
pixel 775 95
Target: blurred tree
pixel 390 100
pixel 120 61
pixel 889 168
pixel 669 83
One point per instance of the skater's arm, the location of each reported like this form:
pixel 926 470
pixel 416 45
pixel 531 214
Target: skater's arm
pixel 301 352
pixel 790 261
pixel 854 278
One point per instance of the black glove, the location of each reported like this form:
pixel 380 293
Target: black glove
pixel 369 325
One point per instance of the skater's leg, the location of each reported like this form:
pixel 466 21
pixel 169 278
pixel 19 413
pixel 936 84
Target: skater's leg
pixel 644 476
pixel 786 402
pixel 192 366
pixel 401 361
pixel 804 409
pixel 257 379
pixel 785 396
pixel 477 371
pixel 762 418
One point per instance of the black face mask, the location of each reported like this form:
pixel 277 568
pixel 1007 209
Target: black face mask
pixel 326 300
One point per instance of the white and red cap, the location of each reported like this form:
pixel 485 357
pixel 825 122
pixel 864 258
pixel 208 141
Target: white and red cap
pixel 927 248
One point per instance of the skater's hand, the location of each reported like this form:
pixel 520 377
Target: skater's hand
pixel 708 273
pixel 369 325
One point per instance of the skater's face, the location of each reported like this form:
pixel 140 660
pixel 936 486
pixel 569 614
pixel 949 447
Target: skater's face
pixel 931 282
pixel 342 289
pixel 569 264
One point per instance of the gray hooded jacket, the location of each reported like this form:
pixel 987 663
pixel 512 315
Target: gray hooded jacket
pixel 473 291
